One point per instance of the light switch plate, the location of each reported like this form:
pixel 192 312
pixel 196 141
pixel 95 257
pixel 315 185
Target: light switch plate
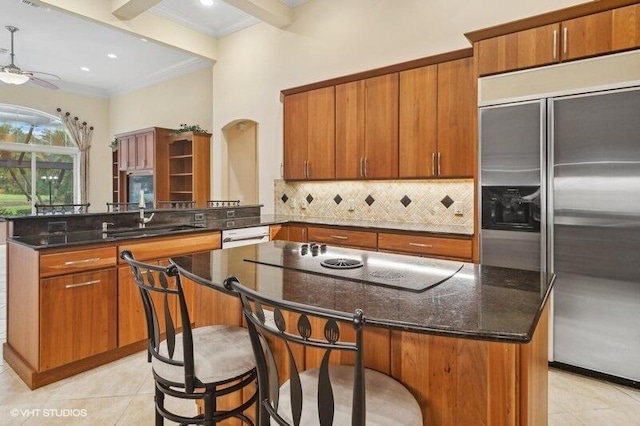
pixel 458 210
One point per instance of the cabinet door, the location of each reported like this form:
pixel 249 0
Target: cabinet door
pixel 145 150
pixel 381 127
pixel 587 36
pixel 523 49
pixel 626 27
pixel 126 152
pixel 321 134
pixel 418 121
pixel 457 115
pixel 350 130
pixel 78 317
pixel 295 135
pixel 297 233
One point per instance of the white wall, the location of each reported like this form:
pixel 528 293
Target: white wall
pixel 185 99
pixel 331 38
pixel 95 111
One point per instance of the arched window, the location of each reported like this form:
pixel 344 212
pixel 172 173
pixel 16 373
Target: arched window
pixel 39 163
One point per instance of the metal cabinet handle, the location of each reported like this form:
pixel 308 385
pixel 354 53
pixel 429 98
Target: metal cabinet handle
pixel 366 166
pixel 439 170
pixel 84 284
pixel 78 262
pixel 339 237
pixel 308 168
pixel 304 168
pixel 421 245
pixel 565 36
pixel 361 166
pixel 555 44
pixel 433 164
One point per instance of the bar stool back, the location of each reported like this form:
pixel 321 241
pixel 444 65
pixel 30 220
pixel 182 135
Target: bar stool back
pixel 203 363
pixel 330 394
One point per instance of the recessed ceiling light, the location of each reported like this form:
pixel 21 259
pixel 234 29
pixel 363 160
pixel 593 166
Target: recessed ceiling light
pixel 112 55
pixel 144 39
pixel 207 2
pixel 85 68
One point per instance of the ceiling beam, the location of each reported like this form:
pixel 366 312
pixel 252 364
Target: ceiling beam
pixel 146 25
pixel 273 12
pixel 129 9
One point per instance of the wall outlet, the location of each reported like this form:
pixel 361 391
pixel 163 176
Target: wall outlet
pixel 458 209
pixel 303 204
pixel 351 204
pixel 293 204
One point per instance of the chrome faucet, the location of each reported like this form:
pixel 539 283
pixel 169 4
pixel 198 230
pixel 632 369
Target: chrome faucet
pixel 142 220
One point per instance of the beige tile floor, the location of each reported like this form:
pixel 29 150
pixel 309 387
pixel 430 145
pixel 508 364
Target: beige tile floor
pixel 121 393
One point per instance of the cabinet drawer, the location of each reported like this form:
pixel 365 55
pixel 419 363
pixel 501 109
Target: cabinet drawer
pixel 66 262
pixel 157 248
pixel 343 238
pixel 428 246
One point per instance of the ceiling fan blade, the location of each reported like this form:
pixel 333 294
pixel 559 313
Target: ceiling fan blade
pixel 43 83
pixel 47 75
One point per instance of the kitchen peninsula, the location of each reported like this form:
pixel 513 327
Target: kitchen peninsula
pixel 470 341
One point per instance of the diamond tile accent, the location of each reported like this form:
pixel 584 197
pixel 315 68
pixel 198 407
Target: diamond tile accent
pixel 369 200
pixel 405 201
pixel 309 198
pixel 337 199
pixel 284 198
pixel 447 201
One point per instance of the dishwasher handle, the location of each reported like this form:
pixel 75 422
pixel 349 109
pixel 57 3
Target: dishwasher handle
pixel 249 238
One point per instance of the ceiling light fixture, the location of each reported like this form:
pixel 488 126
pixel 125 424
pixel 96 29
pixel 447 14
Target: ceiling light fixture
pixel 6 76
pixel 85 68
pixel 207 2
pixel 112 55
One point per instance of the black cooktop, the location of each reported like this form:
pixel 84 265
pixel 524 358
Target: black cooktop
pixel 414 274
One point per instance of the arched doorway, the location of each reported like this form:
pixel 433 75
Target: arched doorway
pixel 240 144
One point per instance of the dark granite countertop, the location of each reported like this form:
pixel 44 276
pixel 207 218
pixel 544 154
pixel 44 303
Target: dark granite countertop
pixel 476 302
pixel 43 240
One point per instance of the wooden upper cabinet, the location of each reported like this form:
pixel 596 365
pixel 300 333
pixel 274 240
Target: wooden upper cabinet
pixel 145 150
pixel 295 135
pixel 457 116
pixel 418 118
pixel 136 150
pixel 367 128
pixel 309 132
pixel 585 36
pixel 350 129
pixel 625 23
pixel 524 49
pixel 321 134
pixel 381 127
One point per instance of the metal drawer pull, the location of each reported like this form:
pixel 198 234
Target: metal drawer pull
pixel 77 262
pixel 439 171
pixel 421 245
pixel 565 36
pixel 86 283
pixel 555 44
pixel 339 237
pixel 366 166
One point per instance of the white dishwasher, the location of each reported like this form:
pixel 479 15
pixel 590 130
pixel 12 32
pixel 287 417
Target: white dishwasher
pixel 244 236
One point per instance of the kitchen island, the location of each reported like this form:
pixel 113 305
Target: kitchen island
pixel 469 341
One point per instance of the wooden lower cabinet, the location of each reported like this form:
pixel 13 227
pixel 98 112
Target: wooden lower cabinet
pixel 295 233
pixel 341 237
pixel 78 317
pixel 450 248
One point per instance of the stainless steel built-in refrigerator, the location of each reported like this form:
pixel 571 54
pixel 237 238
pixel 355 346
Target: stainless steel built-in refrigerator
pixel 590 221
pixel 594 240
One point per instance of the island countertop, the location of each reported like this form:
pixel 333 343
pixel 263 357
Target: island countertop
pixel 399 292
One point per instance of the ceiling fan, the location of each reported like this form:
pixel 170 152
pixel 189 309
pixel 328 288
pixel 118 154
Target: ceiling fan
pixel 11 74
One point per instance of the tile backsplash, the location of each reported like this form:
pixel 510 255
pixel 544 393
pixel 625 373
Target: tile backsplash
pixel 420 201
